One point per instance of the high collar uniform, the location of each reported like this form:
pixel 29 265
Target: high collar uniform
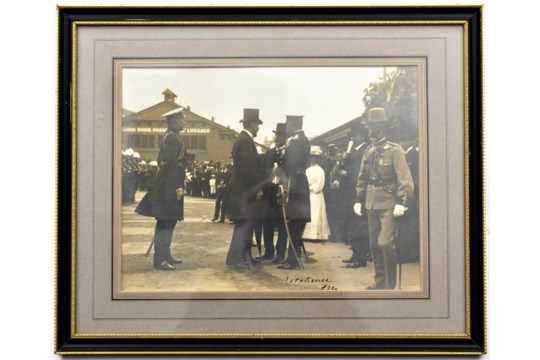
pixel 384 181
pixel 295 163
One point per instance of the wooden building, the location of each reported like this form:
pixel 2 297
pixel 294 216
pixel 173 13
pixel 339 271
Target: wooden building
pixel 204 138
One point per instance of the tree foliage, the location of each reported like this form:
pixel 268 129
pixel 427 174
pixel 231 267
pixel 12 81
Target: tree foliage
pixel 397 93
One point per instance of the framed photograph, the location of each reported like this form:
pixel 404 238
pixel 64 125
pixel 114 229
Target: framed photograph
pixel 270 180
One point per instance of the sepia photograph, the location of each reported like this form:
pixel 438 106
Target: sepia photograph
pixel 265 181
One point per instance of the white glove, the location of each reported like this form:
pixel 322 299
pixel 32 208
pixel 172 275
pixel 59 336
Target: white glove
pixel 336 184
pixel 358 209
pixel 399 210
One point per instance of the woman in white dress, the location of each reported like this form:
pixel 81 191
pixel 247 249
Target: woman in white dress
pixel 318 228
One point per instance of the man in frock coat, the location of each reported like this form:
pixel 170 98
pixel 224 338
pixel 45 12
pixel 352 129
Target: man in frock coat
pixel 165 199
pixel 245 204
pixel 354 226
pixel 294 164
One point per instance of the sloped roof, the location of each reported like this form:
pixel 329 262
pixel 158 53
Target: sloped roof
pixel 155 113
pixel 168 91
pixel 337 134
pixel 126 112
pixel 190 115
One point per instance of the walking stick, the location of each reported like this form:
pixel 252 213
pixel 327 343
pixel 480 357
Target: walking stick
pixel 305 252
pixel 399 278
pixel 258 235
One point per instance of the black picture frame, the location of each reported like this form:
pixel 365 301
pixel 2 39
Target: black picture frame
pixel 68 343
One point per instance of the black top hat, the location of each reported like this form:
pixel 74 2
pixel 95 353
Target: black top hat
pixel 281 128
pixel 294 119
pixel 251 115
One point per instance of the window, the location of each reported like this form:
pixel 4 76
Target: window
pixel 202 142
pixel 144 141
pixel 195 142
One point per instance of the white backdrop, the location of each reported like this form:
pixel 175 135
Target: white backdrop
pixel 28 83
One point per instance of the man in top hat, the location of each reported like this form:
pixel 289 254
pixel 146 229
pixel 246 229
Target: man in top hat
pixel 165 199
pixel 273 215
pixel 294 164
pixel 384 190
pixel 351 227
pixel 245 192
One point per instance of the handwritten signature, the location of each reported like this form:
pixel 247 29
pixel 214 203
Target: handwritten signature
pixel 324 282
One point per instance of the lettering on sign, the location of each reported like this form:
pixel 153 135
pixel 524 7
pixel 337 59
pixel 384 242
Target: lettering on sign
pixel 162 130
pixel 196 131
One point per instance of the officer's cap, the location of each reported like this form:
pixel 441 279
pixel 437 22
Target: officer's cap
pixel 377 115
pixel 177 111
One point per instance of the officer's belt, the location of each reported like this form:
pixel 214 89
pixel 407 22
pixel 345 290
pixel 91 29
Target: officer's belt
pixel 299 171
pixel 381 182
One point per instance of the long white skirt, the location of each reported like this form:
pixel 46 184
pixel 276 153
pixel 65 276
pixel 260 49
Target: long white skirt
pixel 318 228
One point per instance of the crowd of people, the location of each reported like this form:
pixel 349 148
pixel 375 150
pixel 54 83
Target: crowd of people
pixel 202 179
pixel 301 192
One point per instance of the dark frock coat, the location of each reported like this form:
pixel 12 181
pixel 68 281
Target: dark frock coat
pixel 357 226
pixel 161 201
pixel 247 178
pixel 295 163
pixel 408 240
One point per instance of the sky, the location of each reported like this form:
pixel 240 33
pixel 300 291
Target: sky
pixel 326 96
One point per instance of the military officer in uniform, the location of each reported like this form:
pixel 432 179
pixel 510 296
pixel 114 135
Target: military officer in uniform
pixel 384 189
pixel 294 164
pixel 273 215
pixel 165 199
pixel 245 207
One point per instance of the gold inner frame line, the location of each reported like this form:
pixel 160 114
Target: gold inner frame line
pixel 270 23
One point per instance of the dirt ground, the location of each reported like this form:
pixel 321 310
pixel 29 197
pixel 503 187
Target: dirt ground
pixel 202 246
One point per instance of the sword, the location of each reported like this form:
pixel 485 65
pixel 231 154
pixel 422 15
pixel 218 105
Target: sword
pixel 150 248
pixel 281 193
